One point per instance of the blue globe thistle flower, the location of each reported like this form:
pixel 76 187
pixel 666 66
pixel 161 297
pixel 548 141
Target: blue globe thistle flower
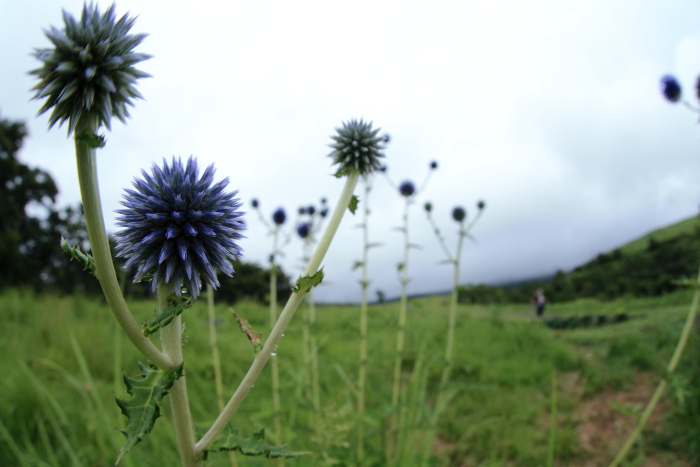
pixel 407 188
pixel 303 229
pixel 671 88
pixel 357 148
pixel 279 216
pixel 179 227
pixel 311 210
pixel 255 203
pixel 433 165
pixel 89 73
pixel 459 214
pixel 697 88
pixel 324 212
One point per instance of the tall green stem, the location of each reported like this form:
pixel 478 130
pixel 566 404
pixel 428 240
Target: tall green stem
pixel 171 340
pixel 396 388
pixel 675 358
pixel 283 321
pixel 363 331
pixel 99 244
pixel 276 405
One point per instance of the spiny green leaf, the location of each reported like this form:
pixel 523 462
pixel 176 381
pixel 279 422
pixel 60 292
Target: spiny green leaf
pixel 354 201
pixel 304 284
pixel 147 392
pixel 77 254
pixel 91 139
pixel 256 445
pixel 358 264
pixel 175 306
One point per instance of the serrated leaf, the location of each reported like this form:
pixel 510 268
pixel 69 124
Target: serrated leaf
pixel 253 336
pixel 175 307
pixel 143 409
pixel 399 267
pixel 304 284
pixel 77 254
pixel 342 172
pixel 91 139
pixel 358 264
pixel 256 445
pixel 354 201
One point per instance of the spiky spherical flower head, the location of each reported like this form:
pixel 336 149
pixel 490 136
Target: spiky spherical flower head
pixel 407 188
pixel 357 148
pixel 179 227
pixel 459 214
pixel 255 203
pixel 324 200
pixel 323 212
pixel 302 211
pixel 481 204
pixel 671 88
pixel 303 229
pixel 697 88
pixel 433 165
pixel 428 207
pixel 279 216
pixel 89 73
pixel 311 210
pixel 383 168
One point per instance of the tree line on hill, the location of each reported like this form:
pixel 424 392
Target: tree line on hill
pixel 30 252
pixel 653 271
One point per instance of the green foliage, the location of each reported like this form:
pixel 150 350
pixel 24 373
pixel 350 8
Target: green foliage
pixel 77 254
pixel 304 284
pixel 667 257
pixel 143 409
pixel 354 202
pixel 176 305
pixel 255 445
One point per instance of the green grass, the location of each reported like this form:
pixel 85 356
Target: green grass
pixel 52 411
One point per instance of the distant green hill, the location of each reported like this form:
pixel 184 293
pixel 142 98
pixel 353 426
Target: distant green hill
pixel 648 266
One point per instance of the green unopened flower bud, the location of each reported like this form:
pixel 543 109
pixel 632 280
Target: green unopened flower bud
pixel 357 148
pixel 459 214
pixel 428 207
pixel 481 204
pixel 89 72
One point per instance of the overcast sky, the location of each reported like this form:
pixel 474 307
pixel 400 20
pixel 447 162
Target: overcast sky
pixel 548 110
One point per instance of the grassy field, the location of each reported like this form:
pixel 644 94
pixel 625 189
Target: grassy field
pixel 62 361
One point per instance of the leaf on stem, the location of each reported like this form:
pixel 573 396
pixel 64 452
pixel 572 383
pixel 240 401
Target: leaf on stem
pixel 77 254
pixel 253 336
pixel 91 139
pixel 256 445
pixel 175 307
pixel 304 284
pixel 147 392
pixel 374 245
pixel 354 201
pixel 358 264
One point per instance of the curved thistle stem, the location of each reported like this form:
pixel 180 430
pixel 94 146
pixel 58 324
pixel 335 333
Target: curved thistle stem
pixel 171 339
pixel 99 244
pixel 283 321
pixel 672 364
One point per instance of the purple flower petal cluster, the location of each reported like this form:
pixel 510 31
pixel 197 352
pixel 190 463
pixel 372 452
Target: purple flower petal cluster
pixel 180 227
pixel 303 229
pixel 407 188
pixel 279 216
pixel 671 88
